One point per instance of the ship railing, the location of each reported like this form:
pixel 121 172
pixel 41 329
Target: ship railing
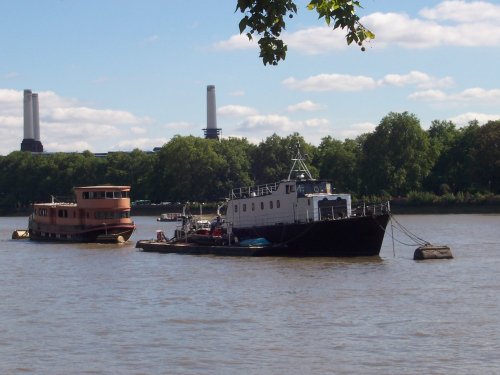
pixel 372 209
pixel 253 191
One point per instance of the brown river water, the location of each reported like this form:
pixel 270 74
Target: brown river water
pixel 112 309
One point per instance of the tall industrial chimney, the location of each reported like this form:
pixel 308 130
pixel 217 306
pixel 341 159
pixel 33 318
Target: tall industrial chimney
pixel 36 117
pixel 31 141
pixel 211 132
pixel 28 115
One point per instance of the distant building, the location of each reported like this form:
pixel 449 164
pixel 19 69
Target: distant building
pixel 31 141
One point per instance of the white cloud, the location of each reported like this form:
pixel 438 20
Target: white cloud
pixel 450 23
pixel 345 82
pixel 64 124
pixel 85 114
pixel 476 94
pixel 137 130
pixel 236 111
pixel 315 40
pixel 355 130
pixel 236 42
pixel 464 118
pixel 399 29
pixel 463 12
pixel 419 79
pixel 331 82
pixel 273 123
pixel 305 106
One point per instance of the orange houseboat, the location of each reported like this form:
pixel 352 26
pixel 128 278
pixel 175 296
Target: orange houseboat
pixel 100 214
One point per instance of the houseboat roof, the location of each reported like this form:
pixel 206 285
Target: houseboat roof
pixel 100 187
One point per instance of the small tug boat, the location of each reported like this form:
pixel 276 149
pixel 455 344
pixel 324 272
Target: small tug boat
pixel 100 214
pixel 299 217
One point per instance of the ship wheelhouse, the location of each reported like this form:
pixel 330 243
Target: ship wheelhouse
pixel 285 202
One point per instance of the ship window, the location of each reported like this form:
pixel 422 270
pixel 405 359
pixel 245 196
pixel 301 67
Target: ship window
pixel 253 206
pixel 85 195
pixel 62 213
pixel 235 208
pixel 109 195
pixel 278 203
pixel 261 205
pixel 308 201
pixel 292 188
pixel 287 189
pixel 118 194
pixel 244 207
pixel 271 205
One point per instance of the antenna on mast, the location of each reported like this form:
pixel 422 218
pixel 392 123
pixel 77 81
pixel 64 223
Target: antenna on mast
pixel 301 166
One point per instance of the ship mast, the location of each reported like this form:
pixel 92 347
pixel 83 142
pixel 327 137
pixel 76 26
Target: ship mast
pixel 299 166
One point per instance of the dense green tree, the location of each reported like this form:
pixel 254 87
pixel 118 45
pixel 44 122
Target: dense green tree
pixel 272 159
pixel 458 160
pixel 485 152
pixel 187 169
pixel 442 135
pixel 266 19
pixel 338 161
pixel 236 165
pixel 396 157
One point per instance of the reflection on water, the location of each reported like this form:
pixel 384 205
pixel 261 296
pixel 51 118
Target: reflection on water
pixel 90 308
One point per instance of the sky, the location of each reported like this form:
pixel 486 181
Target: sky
pixel 116 75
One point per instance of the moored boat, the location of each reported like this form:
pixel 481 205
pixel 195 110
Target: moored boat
pixel 307 216
pixel 298 216
pixel 99 214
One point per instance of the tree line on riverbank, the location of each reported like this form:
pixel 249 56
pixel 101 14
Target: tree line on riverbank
pixel 398 159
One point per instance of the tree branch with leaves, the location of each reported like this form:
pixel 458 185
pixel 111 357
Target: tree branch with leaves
pixel 265 19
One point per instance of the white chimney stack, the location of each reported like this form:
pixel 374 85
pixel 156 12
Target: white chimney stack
pixel 211 132
pixel 31 141
pixel 36 117
pixel 28 115
pixel 211 108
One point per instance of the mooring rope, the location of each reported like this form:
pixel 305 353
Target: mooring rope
pixel 417 240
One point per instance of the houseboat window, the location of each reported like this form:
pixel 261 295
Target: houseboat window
pixel 244 207
pixel 253 206
pixel 62 213
pixel 278 203
pixel 261 205
pixel 271 205
pixel 85 195
pixel 118 194
pixel 235 208
pixel 109 195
